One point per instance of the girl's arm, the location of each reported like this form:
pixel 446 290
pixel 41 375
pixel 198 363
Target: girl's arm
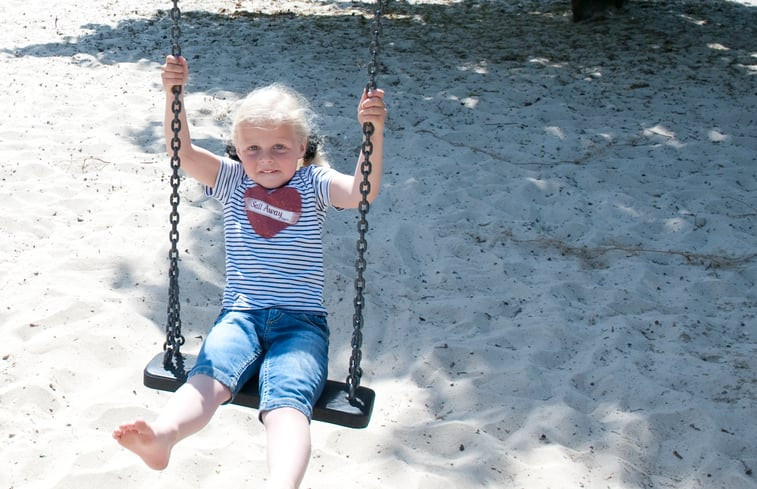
pixel 199 163
pixel 345 189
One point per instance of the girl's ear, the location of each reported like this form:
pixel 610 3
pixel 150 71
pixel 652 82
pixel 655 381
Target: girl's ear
pixel 303 159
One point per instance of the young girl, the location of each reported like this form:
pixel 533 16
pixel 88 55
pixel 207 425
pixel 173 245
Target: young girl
pixel 273 321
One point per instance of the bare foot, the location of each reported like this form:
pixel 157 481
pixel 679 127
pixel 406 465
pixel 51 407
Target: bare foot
pixel 140 438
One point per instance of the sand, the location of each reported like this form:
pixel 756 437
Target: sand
pixel 562 263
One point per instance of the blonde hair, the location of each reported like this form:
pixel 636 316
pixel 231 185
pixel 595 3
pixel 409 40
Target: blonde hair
pixel 278 104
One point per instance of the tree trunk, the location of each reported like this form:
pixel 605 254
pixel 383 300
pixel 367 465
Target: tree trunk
pixel 586 9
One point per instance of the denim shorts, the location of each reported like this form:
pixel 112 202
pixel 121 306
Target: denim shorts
pixel 289 351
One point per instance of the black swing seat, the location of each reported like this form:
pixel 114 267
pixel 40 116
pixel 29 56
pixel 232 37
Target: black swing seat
pixel 333 406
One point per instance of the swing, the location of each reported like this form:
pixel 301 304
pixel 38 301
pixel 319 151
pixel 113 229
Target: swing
pixel 342 403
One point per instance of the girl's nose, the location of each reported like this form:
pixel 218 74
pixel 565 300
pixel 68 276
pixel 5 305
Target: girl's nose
pixel 266 156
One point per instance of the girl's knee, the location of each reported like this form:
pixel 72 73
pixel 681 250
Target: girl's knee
pixel 210 388
pixel 284 415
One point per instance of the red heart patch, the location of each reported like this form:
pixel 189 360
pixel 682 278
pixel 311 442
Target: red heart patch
pixel 270 211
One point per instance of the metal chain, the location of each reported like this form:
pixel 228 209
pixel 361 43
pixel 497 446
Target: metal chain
pixel 174 338
pixel 355 371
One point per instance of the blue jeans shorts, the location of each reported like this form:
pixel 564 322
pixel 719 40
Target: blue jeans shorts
pixel 289 351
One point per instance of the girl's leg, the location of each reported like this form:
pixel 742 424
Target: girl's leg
pixel 292 375
pixel 187 412
pixel 288 438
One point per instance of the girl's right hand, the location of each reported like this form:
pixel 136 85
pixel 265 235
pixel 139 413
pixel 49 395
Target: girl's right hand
pixel 174 72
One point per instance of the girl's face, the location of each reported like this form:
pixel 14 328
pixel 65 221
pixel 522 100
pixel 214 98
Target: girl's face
pixel 269 154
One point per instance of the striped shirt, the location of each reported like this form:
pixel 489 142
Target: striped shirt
pixel 284 270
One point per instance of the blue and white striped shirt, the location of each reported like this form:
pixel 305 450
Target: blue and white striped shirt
pixel 285 270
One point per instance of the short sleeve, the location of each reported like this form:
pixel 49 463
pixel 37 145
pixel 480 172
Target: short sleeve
pixel 230 175
pixel 320 179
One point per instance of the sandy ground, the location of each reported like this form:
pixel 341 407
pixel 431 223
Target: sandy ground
pixel 562 262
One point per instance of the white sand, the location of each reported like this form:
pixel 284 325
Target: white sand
pixel 562 262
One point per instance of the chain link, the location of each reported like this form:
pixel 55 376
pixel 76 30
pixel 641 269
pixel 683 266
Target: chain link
pixel 175 29
pixel 174 338
pixel 355 371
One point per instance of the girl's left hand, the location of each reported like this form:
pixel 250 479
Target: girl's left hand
pixel 372 109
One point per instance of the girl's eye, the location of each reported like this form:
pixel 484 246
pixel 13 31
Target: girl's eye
pixel 252 148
